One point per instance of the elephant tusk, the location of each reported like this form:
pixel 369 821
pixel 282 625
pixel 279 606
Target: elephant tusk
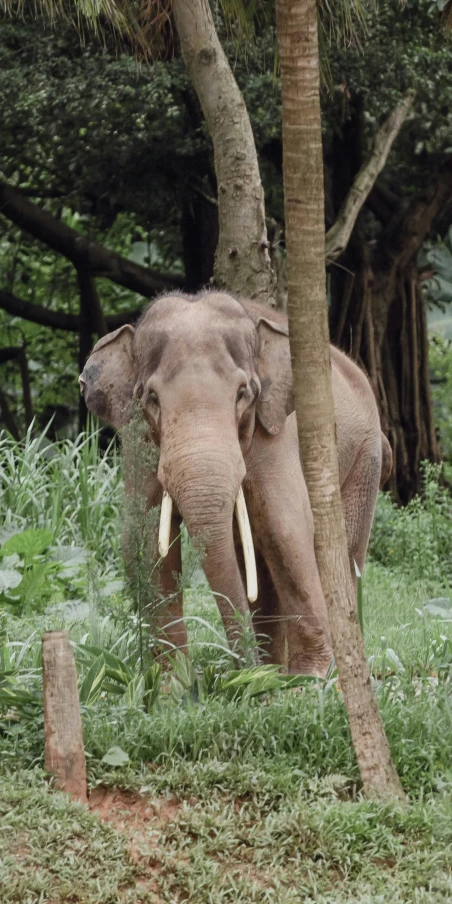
pixel 248 548
pixel 81 384
pixel 165 524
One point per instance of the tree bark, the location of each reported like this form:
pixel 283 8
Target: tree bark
pixel 242 261
pixel 199 223
pixel 89 301
pixel 338 236
pixel 64 753
pixel 91 321
pixel 309 340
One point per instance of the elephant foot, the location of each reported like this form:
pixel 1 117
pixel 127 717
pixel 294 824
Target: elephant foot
pixel 311 664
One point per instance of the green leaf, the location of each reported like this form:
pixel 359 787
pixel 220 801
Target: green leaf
pixel 17 697
pixel 134 693
pixel 209 679
pixel 116 756
pixel 441 607
pixel 152 684
pixel 91 688
pixel 256 680
pixel 184 670
pixel 9 578
pixel 28 544
pixel 116 669
pixel 177 690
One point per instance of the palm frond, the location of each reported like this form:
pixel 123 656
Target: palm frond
pixel 341 23
pixel 122 18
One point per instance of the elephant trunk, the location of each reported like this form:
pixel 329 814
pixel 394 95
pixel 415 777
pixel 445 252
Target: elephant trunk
pixel 205 485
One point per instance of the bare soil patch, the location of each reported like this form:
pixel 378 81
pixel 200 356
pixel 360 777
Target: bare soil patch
pixel 142 820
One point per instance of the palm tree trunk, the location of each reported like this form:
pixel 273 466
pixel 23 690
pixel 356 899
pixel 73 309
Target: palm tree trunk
pixel 309 340
pixel 242 261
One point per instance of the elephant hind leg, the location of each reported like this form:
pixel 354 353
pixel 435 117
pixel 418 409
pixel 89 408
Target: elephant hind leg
pixel 359 496
pixel 386 461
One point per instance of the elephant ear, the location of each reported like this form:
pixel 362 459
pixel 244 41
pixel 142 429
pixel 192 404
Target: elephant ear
pixel 108 377
pixel 276 401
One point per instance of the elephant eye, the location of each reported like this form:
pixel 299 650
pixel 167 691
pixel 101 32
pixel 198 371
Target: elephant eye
pixel 241 393
pixel 152 397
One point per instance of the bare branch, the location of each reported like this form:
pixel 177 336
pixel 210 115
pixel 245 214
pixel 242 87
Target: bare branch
pixel 10 353
pixel 84 254
pixel 337 237
pixel 57 320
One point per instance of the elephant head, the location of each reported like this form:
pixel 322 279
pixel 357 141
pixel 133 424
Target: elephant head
pixel 208 372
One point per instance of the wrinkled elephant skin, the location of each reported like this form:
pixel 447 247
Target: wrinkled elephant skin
pixel 213 377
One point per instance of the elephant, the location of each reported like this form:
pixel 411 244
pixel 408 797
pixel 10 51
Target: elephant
pixel 212 376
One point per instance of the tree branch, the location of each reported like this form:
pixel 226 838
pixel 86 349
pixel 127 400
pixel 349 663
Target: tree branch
pixel 90 305
pixel 407 231
pixel 84 254
pixel 10 353
pixel 337 237
pixel 56 319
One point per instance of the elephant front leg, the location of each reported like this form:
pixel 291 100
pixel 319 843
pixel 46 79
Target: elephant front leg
pixel 291 606
pixel 154 584
pixel 167 614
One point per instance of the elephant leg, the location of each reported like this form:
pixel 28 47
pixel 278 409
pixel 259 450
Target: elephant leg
pixel 163 613
pixel 295 614
pixel 262 617
pixel 268 627
pixel 359 496
pixel 167 618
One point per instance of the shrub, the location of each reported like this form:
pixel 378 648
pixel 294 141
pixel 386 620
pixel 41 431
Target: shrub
pixel 416 539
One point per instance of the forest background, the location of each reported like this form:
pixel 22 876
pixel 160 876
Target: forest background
pixel 108 197
pixel 117 150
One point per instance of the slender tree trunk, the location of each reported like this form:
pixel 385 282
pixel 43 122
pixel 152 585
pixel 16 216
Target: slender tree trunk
pixel 85 338
pixel 7 416
pixel 309 339
pixel 26 389
pixel 242 261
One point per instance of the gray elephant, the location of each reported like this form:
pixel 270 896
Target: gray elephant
pixel 213 378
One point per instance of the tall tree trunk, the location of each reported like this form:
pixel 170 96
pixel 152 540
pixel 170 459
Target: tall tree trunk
pixel 199 224
pixel 242 261
pixel 309 340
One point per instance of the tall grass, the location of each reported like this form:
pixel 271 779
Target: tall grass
pixel 417 539
pixel 201 713
pixel 70 487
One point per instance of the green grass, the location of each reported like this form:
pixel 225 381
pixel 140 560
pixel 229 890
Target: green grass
pixel 53 850
pixel 265 789
pixel 306 846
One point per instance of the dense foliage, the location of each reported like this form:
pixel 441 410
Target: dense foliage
pixel 120 151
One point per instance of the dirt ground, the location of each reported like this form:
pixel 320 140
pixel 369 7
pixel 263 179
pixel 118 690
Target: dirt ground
pixel 142 820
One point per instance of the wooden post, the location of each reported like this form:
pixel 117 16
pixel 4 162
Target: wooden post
pixel 64 753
